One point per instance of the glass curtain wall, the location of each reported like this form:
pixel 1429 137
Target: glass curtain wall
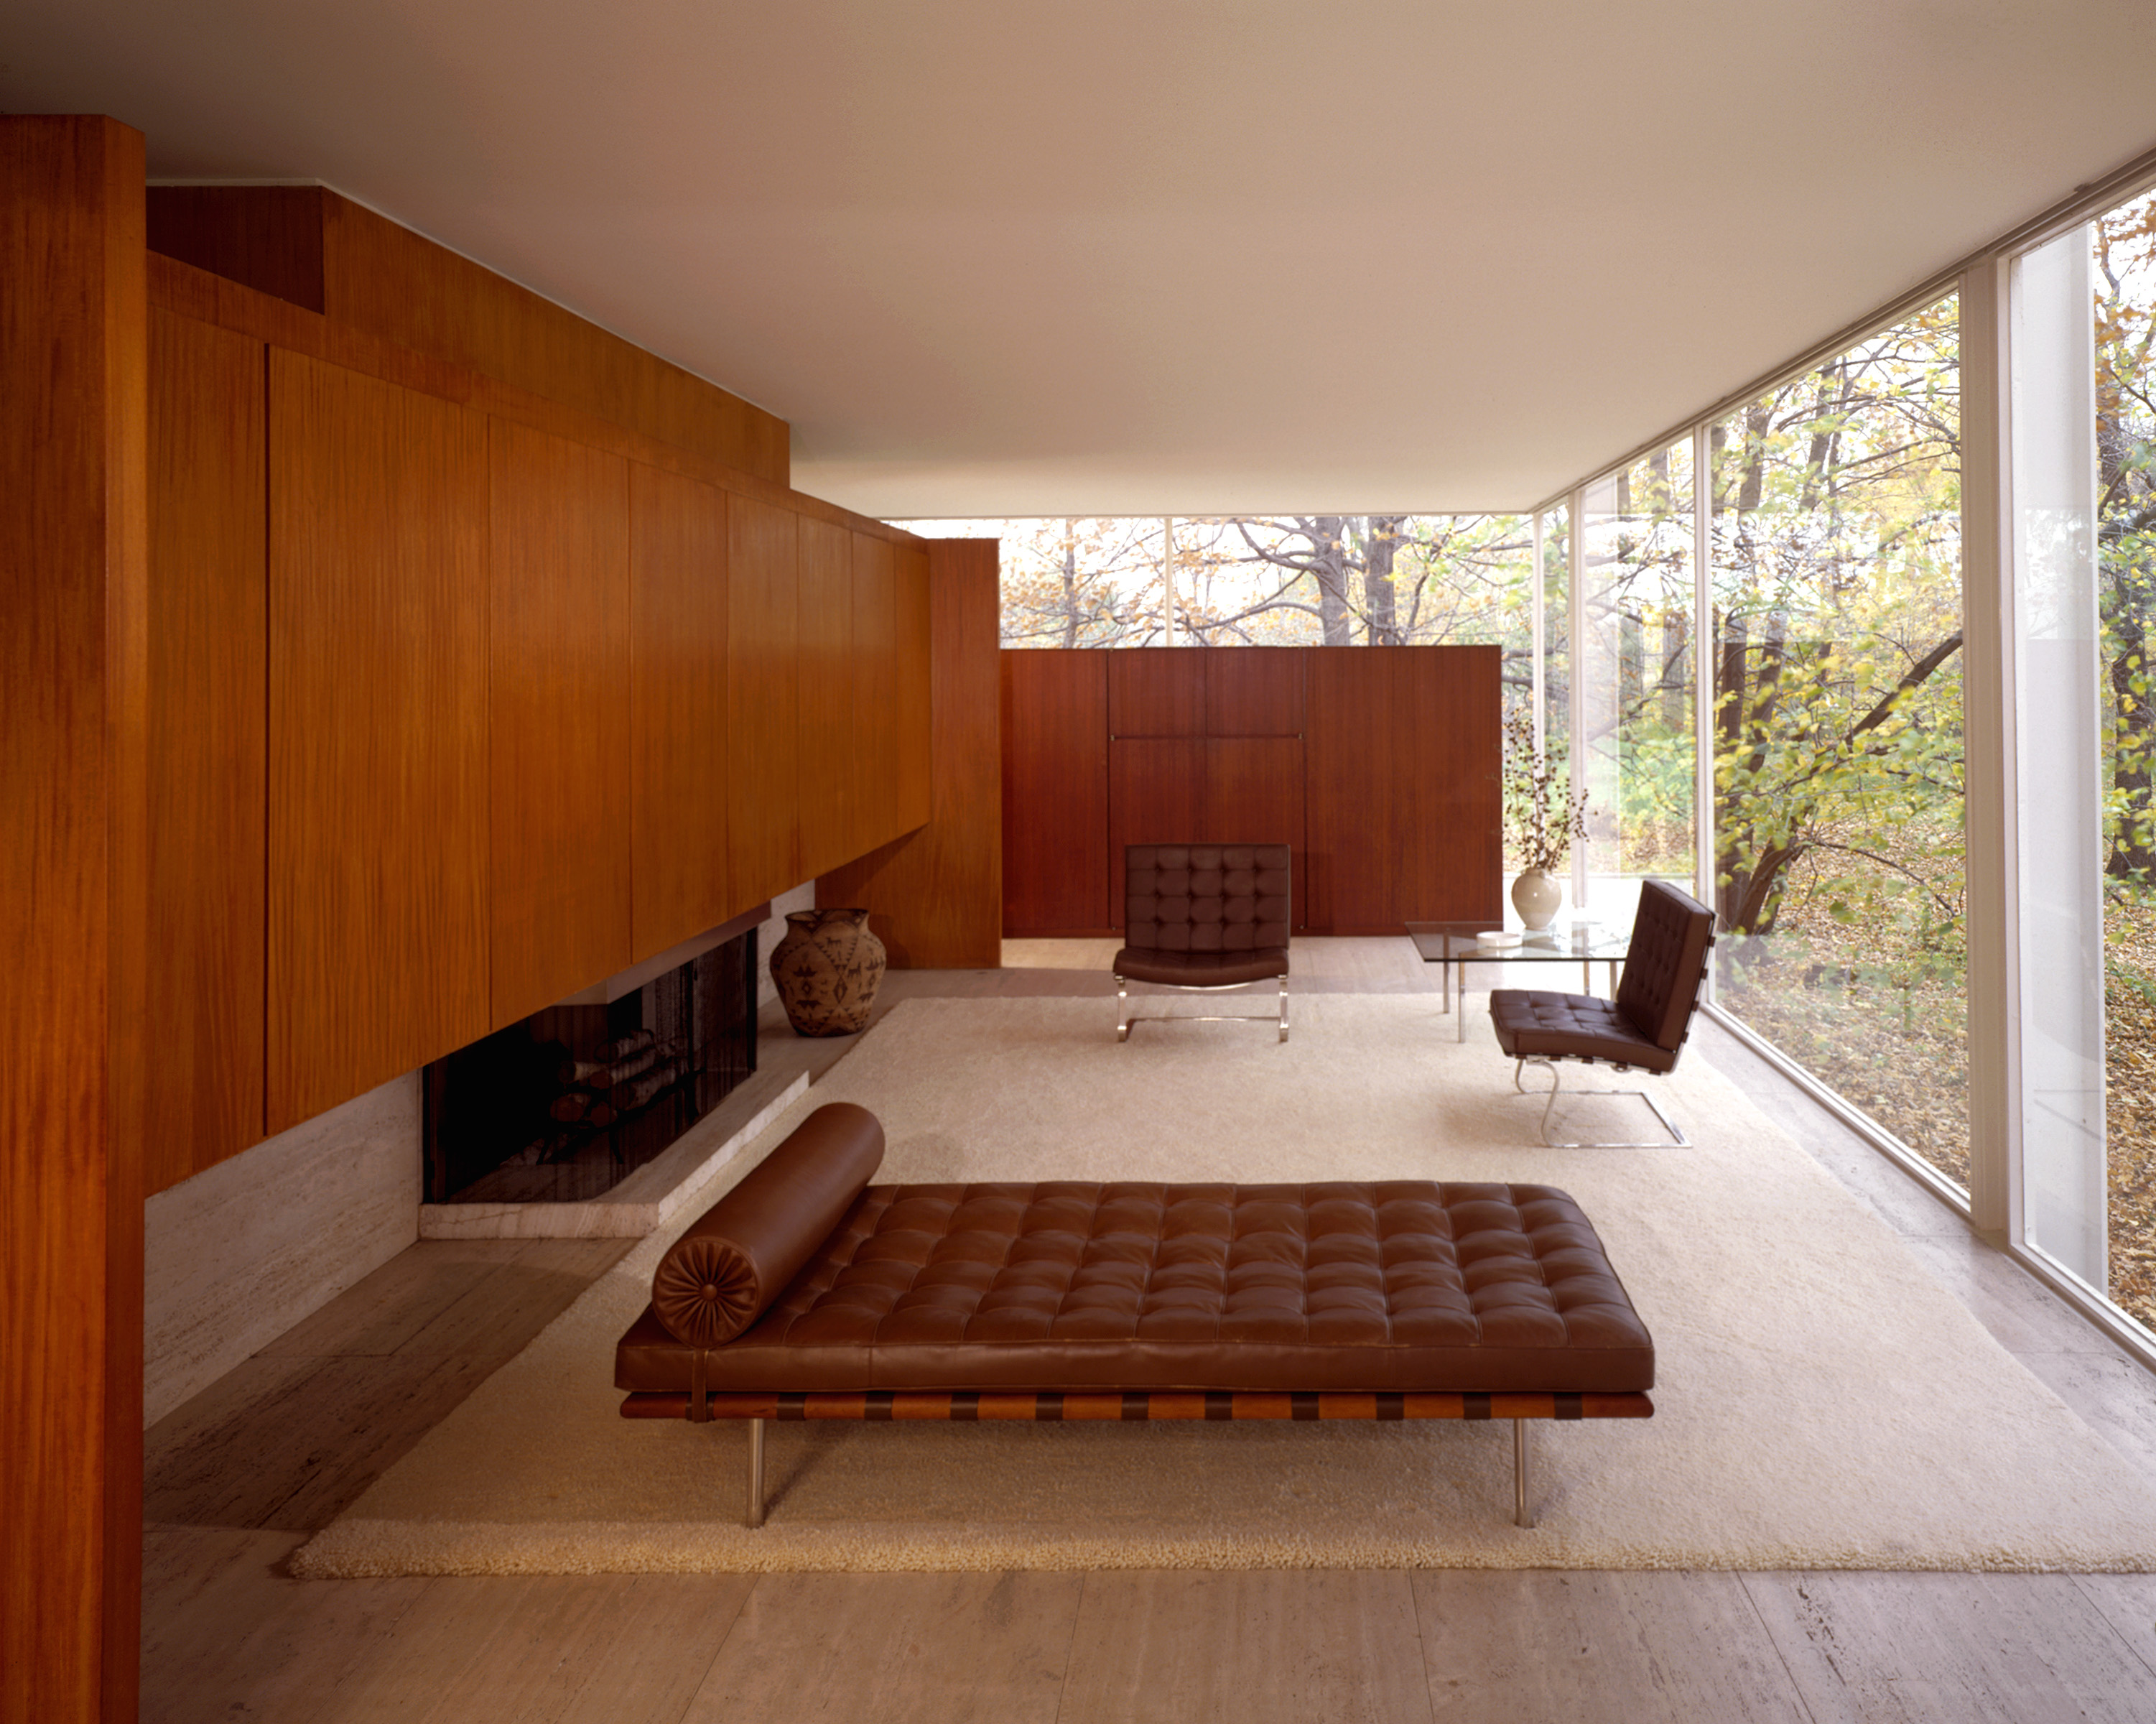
pixel 2083 312
pixel 2122 283
pixel 1835 643
pixel 1634 664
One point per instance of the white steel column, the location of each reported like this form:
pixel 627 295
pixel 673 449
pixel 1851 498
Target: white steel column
pixel 1987 606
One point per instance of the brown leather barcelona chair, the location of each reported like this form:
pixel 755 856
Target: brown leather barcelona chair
pixel 1204 917
pixel 1645 1026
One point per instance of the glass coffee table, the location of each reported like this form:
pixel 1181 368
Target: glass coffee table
pixel 1450 944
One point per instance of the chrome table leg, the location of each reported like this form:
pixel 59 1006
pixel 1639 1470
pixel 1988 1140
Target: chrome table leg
pixel 1522 1516
pixel 755 1517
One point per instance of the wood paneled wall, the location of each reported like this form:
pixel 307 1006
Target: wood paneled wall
pixel 530 697
pixel 1054 710
pixel 935 896
pixel 1378 765
pixel 677 539
pixel 73 678
pixel 763 721
pixel 317 250
pixel 209 741
pixel 379 669
pixel 1406 815
pixel 558 717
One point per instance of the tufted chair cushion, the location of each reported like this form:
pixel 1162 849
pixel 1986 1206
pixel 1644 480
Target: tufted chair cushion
pixel 1402 1285
pixel 1210 914
pixel 1665 963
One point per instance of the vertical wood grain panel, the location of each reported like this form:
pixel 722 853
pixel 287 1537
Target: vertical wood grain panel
pixel 1155 795
pixel 73 674
pixel 935 895
pixel 678 772
pixel 762 701
pixel 1254 795
pixel 377 954
pixel 915 773
pixel 1352 790
pixel 557 726
pixel 876 691
pixel 1157 691
pixel 1254 690
pixel 828 822
pixel 1448 834
pixel 1055 793
pixel 208 752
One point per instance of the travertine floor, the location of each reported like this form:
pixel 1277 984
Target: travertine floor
pixel 239 1477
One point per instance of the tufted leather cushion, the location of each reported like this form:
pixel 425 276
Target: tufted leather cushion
pixel 718 1277
pixel 1665 963
pixel 1533 1024
pixel 1402 1285
pixel 1205 897
pixel 1203 970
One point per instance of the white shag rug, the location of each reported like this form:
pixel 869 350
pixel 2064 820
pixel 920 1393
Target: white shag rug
pixel 1822 1402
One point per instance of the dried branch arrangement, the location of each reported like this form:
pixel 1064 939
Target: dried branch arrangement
pixel 1550 819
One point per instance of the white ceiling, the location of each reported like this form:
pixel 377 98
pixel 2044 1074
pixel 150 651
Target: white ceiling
pixel 1047 257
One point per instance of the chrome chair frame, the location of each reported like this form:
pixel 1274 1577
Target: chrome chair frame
pixel 1677 1139
pixel 1125 1017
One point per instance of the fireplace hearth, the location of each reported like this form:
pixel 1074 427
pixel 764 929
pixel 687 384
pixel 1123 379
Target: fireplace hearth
pixel 565 1105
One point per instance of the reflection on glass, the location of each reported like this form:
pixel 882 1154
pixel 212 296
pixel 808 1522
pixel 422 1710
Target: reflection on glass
pixel 1835 645
pixel 1635 665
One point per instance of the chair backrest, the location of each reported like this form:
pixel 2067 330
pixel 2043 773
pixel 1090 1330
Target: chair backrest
pixel 1205 897
pixel 1666 964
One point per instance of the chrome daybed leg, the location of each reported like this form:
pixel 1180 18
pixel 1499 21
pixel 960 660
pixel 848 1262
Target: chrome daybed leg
pixel 1522 1516
pixel 1122 1010
pixel 1283 1008
pixel 755 1514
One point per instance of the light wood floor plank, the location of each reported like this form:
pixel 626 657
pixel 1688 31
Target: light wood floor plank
pixel 1534 1645
pixel 1253 1648
pixel 1956 1649
pixel 940 1649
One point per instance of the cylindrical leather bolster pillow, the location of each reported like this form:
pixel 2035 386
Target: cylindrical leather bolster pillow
pixel 721 1275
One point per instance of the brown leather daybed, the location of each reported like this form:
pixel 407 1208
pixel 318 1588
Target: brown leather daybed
pixel 808 1293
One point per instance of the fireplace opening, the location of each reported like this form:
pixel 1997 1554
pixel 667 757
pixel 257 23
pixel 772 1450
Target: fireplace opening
pixel 563 1106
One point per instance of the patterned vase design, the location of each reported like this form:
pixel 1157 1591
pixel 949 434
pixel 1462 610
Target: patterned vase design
pixel 1535 897
pixel 827 970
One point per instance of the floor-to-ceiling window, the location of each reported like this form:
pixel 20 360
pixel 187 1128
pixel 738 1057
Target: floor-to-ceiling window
pixel 2123 282
pixel 1633 664
pixel 1834 644
pixel 2083 320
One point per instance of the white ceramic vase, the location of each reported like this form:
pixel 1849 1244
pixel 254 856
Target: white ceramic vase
pixel 1537 897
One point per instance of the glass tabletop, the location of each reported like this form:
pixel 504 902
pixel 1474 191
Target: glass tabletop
pixel 1564 942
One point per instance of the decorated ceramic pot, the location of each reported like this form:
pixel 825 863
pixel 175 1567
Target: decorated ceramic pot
pixel 827 970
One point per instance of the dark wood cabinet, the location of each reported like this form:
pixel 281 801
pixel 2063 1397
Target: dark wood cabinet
pixel 1378 766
